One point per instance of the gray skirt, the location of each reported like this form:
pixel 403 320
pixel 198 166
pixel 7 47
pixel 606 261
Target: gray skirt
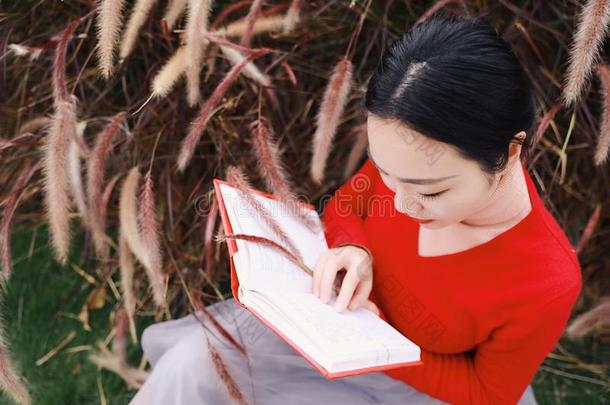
pixel 272 373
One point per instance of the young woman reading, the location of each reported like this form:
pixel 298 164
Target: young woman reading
pixel 441 232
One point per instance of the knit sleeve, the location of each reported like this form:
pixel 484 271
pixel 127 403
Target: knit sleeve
pixel 344 214
pixel 499 370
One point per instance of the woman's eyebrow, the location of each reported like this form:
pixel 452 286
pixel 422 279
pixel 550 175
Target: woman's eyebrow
pixel 404 180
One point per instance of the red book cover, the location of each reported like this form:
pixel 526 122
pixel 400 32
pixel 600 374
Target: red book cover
pixel 232 248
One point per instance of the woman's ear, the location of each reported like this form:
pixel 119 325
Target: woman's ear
pixel 514 153
pixel 514 147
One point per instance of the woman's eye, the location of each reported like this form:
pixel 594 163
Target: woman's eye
pixel 433 195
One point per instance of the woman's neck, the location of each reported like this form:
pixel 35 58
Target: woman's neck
pixel 507 205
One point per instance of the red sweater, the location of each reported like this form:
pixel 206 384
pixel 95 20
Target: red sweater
pixel 485 318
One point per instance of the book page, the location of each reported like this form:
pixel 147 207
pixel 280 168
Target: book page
pixel 350 339
pixel 268 268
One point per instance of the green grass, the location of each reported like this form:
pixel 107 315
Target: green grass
pixel 568 384
pixel 42 302
pixel 44 299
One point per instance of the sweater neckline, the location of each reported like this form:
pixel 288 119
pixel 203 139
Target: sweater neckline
pixel 519 228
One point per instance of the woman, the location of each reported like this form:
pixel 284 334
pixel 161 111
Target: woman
pixel 441 232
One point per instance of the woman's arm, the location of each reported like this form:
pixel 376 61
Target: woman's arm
pixel 500 369
pixel 344 214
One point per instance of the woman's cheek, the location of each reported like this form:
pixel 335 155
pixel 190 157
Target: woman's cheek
pixel 463 205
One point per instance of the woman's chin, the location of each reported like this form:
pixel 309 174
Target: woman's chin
pixel 434 224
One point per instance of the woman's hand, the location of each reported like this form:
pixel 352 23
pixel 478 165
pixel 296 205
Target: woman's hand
pixel 357 282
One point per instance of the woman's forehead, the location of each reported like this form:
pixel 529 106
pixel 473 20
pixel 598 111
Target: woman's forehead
pixel 401 151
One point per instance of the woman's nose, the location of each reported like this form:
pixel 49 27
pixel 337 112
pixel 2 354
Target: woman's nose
pixel 407 203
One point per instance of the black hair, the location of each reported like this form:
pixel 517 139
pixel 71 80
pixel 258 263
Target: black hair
pixel 454 79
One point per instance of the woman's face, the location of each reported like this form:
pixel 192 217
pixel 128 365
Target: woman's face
pixel 432 182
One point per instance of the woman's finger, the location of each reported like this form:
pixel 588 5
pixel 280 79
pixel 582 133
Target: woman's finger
pixel 318 268
pixel 329 272
pixel 350 282
pixel 361 295
pixel 370 305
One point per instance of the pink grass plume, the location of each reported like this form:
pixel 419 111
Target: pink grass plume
pixel 236 176
pixel 273 172
pixel 197 22
pixel 203 116
pixel 12 202
pixel 602 148
pixel 151 239
pixel 109 19
pixel 590 32
pixel 95 182
pixel 331 108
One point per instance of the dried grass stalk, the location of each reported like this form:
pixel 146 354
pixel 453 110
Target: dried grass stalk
pixel 227 11
pixel 95 180
pixel 236 176
pixel 127 270
pixel 60 90
pixel 76 178
pixel 357 150
pixel 273 23
pixel 269 243
pixel 602 149
pixel 590 32
pixel 56 177
pixel 106 197
pixel 251 17
pixel 293 16
pixel 276 246
pixel 434 8
pixel 33 125
pixel 198 125
pixel 17 141
pixel 7 216
pixel 136 19
pixel 589 321
pixel 216 324
pixel 589 228
pixel 197 23
pixel 109 19
pixel 23 50
pixel 173 11
pixel 150 239
pixel 128 216
pixel 119 346
pixel 544 123
pixel 133 377
pixel 210 225
pixel 250 69
pixel 333 103
pixel 223 372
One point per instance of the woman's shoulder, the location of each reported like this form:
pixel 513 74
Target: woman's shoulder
pixel 549 243
pixel 540 249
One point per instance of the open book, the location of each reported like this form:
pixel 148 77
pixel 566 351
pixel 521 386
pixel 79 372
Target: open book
pixel 280 293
